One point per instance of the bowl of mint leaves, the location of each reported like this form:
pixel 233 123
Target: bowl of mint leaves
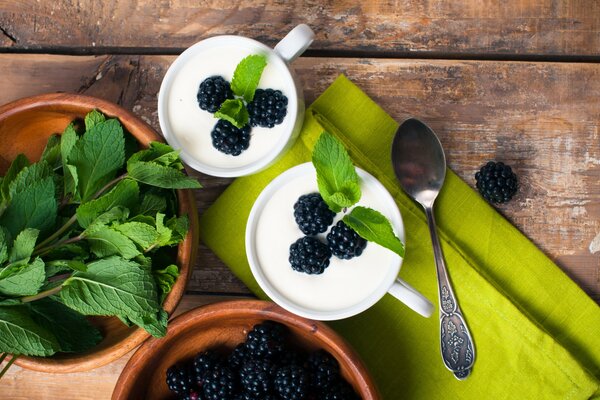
pixel 97 232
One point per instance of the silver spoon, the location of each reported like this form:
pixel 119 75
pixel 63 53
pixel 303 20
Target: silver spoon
pixel 420 165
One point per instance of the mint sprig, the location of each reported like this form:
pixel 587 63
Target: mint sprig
pixel 373 226
pixel 339 187
pixel 234 111
pixel 247 75
pixel 336 176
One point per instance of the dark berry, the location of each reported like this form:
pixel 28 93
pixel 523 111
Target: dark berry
pixel 230 140
pixel 204 363
pixel 312 214
pixel 238 356
pixel 344 242
pixel 341 390
pixel 290 357
pixel 496 182
pixel 192 395
pixel 291 382
pixel 212 93
pixel 220 384
pixel 309 255
pixel 256 377
pixel 268 108
pixel 266 340
pixel 180 379
pixel 324 370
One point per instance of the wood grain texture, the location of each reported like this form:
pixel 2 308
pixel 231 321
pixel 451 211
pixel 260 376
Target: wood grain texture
pixel 464 27
pixel 20 384
pixel 542 118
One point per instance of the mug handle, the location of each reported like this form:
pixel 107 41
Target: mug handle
pixel 295 43
pixel 411 297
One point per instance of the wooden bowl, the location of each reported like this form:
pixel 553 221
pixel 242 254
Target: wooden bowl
pixel 224 325
pixel 25 126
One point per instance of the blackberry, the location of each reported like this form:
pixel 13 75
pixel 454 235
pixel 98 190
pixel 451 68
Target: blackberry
pixel 255 377
pixel 291 382
pixel 180 379
pixel 220 384
pixel 230 140
pixel 290 357
pixel 344 242
pixel 238 356
pixel 324 370
pixel 266 340
pixel 341 390
pixel 309 255
pixel 268 108
pixel 312 214
pixel 249 396
pixel 204 363
pixel 192 395
pixel 212 93
pixel 496 182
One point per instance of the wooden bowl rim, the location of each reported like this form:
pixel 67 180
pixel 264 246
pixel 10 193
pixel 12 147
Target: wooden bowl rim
pixel 186 253
pixel 251 308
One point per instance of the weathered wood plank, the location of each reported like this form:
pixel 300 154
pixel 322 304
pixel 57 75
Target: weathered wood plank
pixel 542 118
pixel 467 27
pixel 98 384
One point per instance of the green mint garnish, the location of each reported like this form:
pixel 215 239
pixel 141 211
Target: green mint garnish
pixel 247 75
pixel 373 226
pixel 234 111
pixel 336 176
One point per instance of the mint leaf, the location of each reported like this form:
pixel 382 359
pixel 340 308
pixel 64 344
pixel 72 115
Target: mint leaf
pixel 115 214
pixel 154 324
pixel 3 245
pixel 336 176
pixel 22 280
pixel 73 331
pixel 164 233
pixel 28 176
pixel 106 242
pixel 143 234
pixel 23 246
pixel 16 166
pixel 65 265
pixel 179 228
pixel 112 286
pixel 125 193
pixel 67 141
pixel 152 203
pixel 247 76
pixel 233 111
pixel 98 155
pixel 19 334
pixel 373 226
pixel 158 175
pixel 93 118
pixel 165 279
pixel 51 154
pixel 160 153
pixel 34 207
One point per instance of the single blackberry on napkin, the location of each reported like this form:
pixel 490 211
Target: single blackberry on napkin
pixel 268 108
pixel 230 140
pixel 213 92
pixel 309 255
pixel 312 214
pixel 496 182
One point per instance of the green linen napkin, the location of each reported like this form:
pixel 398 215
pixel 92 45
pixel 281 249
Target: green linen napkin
pixel 537 335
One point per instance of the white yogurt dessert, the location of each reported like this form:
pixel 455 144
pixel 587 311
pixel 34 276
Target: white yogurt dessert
pixel 346 287
pixel 188 128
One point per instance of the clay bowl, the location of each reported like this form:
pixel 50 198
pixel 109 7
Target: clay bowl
pixel 25 126
pixel 223 326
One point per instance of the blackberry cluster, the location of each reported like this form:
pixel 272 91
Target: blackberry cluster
pixel 309 255
pixel 344 242
pixel 265 367
pixel 230 140
pixel 212 93
pixel 496 182
pixel 312 214
pixel 268 108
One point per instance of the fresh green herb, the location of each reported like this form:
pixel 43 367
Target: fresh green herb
pixel 234 111
pixel 337 179
pixel 88 247
pixel 373 226
pixel 247 76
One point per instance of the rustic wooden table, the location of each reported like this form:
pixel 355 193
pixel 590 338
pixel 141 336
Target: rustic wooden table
pixel 517 81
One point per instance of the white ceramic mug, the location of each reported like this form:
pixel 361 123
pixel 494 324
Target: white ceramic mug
pixel 390 283
pixel 279 58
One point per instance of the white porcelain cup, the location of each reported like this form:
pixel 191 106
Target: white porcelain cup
pixel 278 59
pixel 274 284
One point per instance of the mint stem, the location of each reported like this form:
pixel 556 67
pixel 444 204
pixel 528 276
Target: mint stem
pixel 2 357
pixel 44 250
pixel 12 360
pixel 109 185
pixel 41 295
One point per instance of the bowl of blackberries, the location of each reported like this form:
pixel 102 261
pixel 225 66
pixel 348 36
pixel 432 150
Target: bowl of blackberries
pixel 245 350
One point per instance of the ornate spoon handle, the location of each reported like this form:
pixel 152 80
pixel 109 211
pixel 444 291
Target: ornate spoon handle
pixel 458 351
